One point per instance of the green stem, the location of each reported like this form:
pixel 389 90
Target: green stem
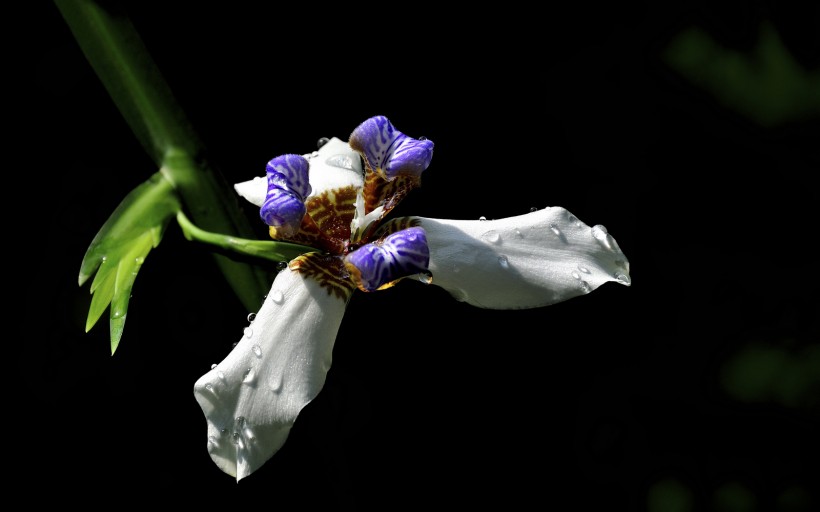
pixel 116 52
pixel 268 250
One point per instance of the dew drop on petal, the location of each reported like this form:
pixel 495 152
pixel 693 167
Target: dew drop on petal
pixel 248 332
pixel 576 275
pixel 224 431
pixel 533 209
pixel 235 438
pixel 586 287
pixel 491 236
pixel 282 265
pixel 249 435
pixel 213 366
pixel 425 277
pixel 249 377
pixel 600 234
pixel 583 269
pixel 276 385
pixel 321 142
pixel 555 229
pixel 277 296
pixel 220 375
pixel 518 233
pixel 503 261
pixel 251 317
pixel 482 218
pixel 257 351
pixel 623 278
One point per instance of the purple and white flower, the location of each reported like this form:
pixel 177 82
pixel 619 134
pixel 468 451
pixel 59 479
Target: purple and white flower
pixel 336 200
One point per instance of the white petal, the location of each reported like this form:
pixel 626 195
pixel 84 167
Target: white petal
pixel 334 166
pixel 520 262
pixel 255 190
pixel 252 398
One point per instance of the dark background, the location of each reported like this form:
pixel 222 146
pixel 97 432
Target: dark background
pixel 624 399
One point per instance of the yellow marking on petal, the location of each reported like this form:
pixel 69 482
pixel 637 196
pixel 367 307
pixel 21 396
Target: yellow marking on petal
pixel 332 211
pixel 327 270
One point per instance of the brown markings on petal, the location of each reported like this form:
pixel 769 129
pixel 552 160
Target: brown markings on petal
pixel 395 225
pixel 327 270
pixel 332 211
pixel 309 234
pixel 380 192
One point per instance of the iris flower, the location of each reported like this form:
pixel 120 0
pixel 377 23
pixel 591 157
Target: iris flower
pixel 336 200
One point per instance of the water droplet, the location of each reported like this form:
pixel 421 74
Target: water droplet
pixel 573 219
pixel 235 438
pixel 257 351
pixel 518 233
pixel 555 230
pixel 586 287
pixel 251 317
pixel 503 261
pixel 321 142
pixel 599 232
pixel 213 366
pixel 492 236
pixel 220 375
pixel 235 343
pixel 277 296
pixel 282 265
pixel 249 377
pixel 249 435
pixel 576 275
pixel 482 218
pixel 248 332
pixel 583 269
pixel 139 260
pixel 425 277
pixel 240 420
pixel 422 138
pixel 276 385
pixel 224 431
pixel 341 161
pixel 623 278
pixel 118 314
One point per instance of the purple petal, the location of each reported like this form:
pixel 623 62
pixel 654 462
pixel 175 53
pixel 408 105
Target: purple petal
pixel 288 186
pixel 378 265
pixel 388 151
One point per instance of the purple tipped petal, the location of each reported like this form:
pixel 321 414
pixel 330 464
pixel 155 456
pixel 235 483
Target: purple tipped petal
pixel 388 151
pixel 378 265
pixel 288 186
pixel 290 173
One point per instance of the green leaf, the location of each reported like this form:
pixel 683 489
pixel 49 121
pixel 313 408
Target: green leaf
pixel 115 50
pixel 121 246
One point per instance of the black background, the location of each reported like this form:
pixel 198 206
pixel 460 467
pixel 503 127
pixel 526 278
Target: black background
pixel 588 404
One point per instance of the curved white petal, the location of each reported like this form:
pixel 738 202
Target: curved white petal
pixel 528 261
pixel 255 190
pixel 334 166
pixel 252 398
